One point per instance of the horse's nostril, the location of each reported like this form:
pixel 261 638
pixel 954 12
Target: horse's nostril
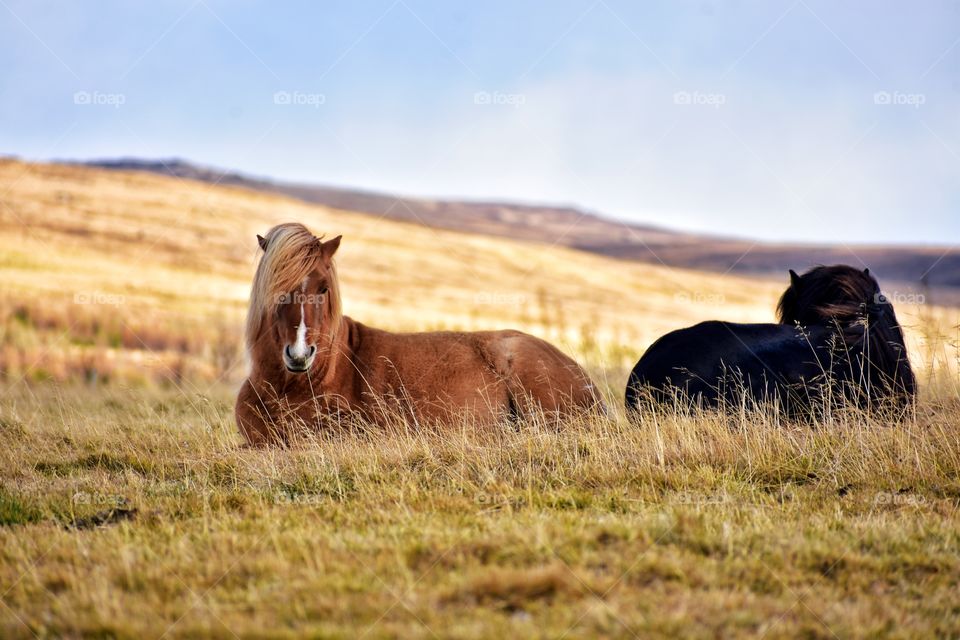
pixel 313 350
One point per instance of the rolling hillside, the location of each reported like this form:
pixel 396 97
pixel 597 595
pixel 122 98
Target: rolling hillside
pixel 910 267
pixel 136 275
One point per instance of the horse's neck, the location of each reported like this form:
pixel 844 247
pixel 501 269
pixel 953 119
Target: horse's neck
pixel 337 367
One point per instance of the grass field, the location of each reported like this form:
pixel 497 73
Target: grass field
pixel 129 508
pixel 135 513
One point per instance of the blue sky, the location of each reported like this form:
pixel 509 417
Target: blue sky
pixel 798 120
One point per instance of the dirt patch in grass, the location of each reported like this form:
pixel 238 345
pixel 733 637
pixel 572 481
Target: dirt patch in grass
pixel 103 518
pixel 517 589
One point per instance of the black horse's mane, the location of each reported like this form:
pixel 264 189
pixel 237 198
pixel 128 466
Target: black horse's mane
pixel 837 293
pixel 850 300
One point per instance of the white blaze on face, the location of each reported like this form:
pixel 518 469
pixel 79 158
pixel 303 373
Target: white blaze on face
pixel 299 349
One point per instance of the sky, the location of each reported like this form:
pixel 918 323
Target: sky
pixel 800 120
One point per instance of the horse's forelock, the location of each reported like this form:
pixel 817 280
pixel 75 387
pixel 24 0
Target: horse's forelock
pixel 880 337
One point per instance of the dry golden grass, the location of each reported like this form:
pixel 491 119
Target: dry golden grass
pixel 130 509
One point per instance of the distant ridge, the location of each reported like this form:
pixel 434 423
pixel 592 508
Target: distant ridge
pixel 912 267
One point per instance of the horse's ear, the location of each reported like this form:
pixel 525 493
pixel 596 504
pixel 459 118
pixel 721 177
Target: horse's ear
pixel 328 248
pixel 866 271
pixel 794 278
pixel 262 242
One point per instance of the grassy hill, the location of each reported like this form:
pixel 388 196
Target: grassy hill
pixel 129 508
pixel 910 267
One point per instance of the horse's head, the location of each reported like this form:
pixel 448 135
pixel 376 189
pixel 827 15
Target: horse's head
pixel 850 299
pixel 300 313
pixel 295 305
pixel 822 294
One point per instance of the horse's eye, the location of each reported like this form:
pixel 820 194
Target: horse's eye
pixel 323 290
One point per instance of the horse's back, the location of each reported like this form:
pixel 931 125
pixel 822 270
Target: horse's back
pixel 507 364
pixel 714 359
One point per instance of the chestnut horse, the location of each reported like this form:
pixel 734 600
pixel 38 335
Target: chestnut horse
pixel 313 367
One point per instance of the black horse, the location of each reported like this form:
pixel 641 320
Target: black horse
pixel 838 340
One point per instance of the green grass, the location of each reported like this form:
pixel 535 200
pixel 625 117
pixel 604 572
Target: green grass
pixel 136 513
pixel 14 511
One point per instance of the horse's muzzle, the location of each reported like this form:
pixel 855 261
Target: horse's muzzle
pixel 298 365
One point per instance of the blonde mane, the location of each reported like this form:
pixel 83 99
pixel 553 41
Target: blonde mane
pixel 292 253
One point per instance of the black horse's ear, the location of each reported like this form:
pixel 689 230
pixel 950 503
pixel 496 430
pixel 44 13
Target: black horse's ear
pixel 262 242
pixel 328 248
pixel 794 278
pixel 866 271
